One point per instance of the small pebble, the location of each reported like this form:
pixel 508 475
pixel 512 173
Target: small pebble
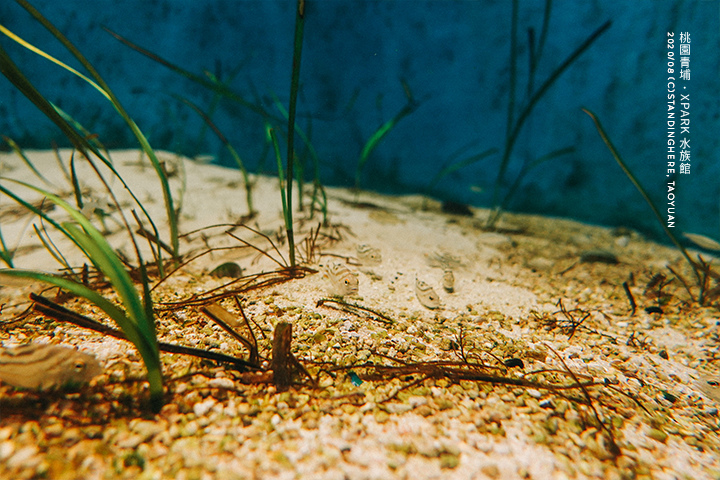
pixel 658 435
pixel 491 470
pixel 547 403
pixel 202 408
pixel 6 449
pixel 221 383
pixel 534 393
pixel 24 457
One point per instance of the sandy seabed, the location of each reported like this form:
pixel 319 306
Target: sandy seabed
pixel 531 299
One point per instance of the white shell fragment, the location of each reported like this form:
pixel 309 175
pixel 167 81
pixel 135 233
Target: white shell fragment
pixel 42 367
pixel 448 280
pixel 426 295
pixel 341 280
pixel 368 255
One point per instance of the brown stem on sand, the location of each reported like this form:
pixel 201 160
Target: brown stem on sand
pixel 281 356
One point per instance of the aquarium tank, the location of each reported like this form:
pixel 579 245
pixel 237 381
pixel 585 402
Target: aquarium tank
pixel 359 239
pixel 473 102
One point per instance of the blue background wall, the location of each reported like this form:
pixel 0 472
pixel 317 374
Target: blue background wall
pixel 454 55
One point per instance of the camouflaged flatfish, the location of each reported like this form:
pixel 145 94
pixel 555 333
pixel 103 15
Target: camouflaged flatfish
pixel 703 241
pixel 41 367
pixel 442 260
pixel 426 295
pixel 341 280
pixel 709 385
pixel 369 256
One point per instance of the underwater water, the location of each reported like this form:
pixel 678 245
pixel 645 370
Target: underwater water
pixel 445 71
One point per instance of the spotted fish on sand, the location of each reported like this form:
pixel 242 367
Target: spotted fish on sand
pixel 369 256
pixel 341 280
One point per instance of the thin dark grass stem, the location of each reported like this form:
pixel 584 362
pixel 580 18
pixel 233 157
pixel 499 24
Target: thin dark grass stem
pixel 536 50
pixel 149 239
pixel 684 283
pixel 58 312
pixel 527 168
pixel 11 71
pixel 261 251
pixel 6 254
pixel 63 168
pixel 645 195
pixel 50 246
pixel 257 232
pixel 167 194
pixel 220 316
pixel 211 84
pixel 75 183
pixel 223 139
pixel 190 259
pixel 20 153
pixel 294 84
pixel 525 114
pixel 513 71
pixel 614 448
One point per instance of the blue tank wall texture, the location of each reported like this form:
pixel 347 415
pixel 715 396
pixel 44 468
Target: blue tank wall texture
pixel 358 60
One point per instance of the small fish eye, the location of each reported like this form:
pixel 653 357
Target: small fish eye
pixel 79 365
